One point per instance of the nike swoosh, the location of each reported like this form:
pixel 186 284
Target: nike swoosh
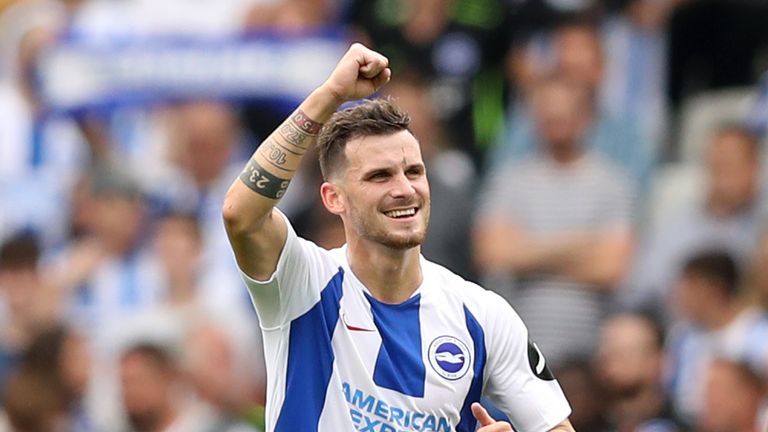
pixel 351 327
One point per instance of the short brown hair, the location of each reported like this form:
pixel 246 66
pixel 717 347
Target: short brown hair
pixel 370 118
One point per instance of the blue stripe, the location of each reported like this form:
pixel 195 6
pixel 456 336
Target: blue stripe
pixel 36 142
pixel 468 421
pixel 400 364
pixel 310 361
pixel 129 296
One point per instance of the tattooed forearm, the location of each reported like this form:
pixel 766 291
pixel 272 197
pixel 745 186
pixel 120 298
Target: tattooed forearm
pixel 262 181
pixel 293 135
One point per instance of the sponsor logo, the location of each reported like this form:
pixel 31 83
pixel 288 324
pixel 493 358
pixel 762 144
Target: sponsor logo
pixel 449 357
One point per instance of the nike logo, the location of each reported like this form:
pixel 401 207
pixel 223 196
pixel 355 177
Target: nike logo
pixel 351 327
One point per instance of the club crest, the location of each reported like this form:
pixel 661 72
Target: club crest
pixel 449 357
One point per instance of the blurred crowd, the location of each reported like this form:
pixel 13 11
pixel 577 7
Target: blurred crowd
pixel 597 163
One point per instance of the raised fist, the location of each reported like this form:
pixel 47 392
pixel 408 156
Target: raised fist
pixel 359 74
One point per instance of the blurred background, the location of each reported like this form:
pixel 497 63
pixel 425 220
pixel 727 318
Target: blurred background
pixel 600 164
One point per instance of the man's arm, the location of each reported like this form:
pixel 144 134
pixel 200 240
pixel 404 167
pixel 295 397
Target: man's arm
pixel 256 232
pixel 598 258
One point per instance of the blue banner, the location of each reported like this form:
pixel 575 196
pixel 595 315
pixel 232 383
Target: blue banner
pixel 76 74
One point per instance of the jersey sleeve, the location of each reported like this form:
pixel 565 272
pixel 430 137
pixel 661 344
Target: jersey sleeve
pixel 302 271
pixel 518 380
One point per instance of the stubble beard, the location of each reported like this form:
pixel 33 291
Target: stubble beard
pixel 377 233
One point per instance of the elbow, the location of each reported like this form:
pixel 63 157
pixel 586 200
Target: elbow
pixel 232 218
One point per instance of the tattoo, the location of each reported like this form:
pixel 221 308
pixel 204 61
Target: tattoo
pixel 305 123
pixel 272 152
pixel 262 181
pixel 293 135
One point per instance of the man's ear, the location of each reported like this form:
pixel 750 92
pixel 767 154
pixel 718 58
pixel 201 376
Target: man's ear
pixel 333 198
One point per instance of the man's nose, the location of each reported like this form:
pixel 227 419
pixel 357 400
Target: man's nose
pixel 402 186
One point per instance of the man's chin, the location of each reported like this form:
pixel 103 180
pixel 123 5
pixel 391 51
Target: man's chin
pixel 402 242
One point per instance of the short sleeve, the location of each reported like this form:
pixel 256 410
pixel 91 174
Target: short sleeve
pixel 303 269
pixel 518 379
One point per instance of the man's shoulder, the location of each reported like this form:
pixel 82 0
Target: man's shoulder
pixel 477 300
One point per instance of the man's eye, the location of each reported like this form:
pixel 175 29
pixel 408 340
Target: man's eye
pixel 379 176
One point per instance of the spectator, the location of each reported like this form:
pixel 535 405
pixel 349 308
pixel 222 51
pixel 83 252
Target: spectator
pixel 580 386
pixel 629 366
pixel 29 304
pixel 109 273
pixel 207 152
pixel 158 397
pixel 40 157
pixel 30 404
pixel 718 324
pixel 149 378
pixel 728 217
pixel 735 399
pixel 635 65
pixel 61 357
pixel 554 230
pixel 178 246
pixel 225 375
pixel 575 50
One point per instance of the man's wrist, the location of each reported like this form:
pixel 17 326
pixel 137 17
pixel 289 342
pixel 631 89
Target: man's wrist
pixel 320 105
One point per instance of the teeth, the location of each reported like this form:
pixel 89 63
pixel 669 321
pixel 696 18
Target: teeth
pixel 401 213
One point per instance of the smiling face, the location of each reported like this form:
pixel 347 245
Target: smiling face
pixel 382 195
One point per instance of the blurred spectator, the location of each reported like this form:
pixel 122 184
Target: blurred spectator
pixel 31 405
pixel 39 156
pixel 452 179
pixel 554 232
pixel 729 217
pixel 735 399
pixel 109 273
pixel 456 45
pixel 61 356
pixel 719 324
pixel 28 305
pixel 635 65
pixel 580 386
pixel 225 374
pixel 575 51
pixel 207 153
pixel 149 380
pixel 629 365
pixel 178 246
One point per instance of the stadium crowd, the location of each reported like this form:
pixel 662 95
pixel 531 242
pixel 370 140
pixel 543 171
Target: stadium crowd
pixel 597 163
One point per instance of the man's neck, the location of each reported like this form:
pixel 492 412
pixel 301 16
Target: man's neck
pixel 391 275
pixel 722 317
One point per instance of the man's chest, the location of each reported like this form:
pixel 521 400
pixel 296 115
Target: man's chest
pixel 399 364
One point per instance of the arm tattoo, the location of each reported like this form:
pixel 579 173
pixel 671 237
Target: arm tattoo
pixel 293 135
pixel 299 127
pixel 274 154
pixel 305 123
pixel 262 181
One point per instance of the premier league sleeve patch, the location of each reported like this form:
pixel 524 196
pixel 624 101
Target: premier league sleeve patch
pixel 537 363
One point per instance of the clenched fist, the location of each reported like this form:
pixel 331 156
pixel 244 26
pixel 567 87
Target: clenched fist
pixel 359 74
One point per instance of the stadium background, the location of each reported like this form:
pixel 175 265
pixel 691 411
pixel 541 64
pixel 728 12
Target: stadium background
pixel 122 122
